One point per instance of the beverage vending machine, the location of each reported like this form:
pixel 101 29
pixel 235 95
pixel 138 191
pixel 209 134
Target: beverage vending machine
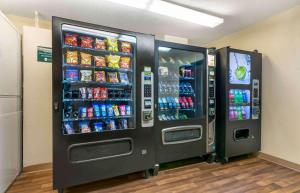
pixel 238 102
pixel 182 111
pixel 103 102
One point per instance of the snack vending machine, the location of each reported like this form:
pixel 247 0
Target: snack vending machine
pixel 103 102
pixel 238 102
pixel 181 101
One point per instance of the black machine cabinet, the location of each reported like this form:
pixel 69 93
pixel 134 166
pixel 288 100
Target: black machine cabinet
pixel 180 101
pixel 238 128
pixel 102 102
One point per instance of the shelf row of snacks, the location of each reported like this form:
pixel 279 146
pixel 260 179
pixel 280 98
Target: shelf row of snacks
pixel 99 43
pixel 73 74
pixel 86 59
pixel 95 111
pixel 91 127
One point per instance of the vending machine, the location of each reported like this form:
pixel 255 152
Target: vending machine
pixel 238 102
pixel 181 118
pixel 103 102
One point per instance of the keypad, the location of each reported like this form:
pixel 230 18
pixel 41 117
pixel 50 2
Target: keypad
pixel 147 90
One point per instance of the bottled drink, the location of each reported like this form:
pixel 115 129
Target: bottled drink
pixel 231 96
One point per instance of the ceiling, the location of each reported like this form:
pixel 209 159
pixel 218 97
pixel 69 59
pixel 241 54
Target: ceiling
pixel 236 13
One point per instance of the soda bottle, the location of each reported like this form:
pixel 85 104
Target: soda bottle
pixel 245 100
pixel 235 96
pixel 231 96
pixel 240 96
pixel 244 113
pixel 231 113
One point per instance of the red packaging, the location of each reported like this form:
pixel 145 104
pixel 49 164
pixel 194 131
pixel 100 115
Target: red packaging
pixel 86 42
pixel 126 47
pixel 90 112
pixel 190 101
pixel 97 93
pixel 100 61
pixel 103 93
pixel 122 110
pixel 71 39
pixel 100 76
pixel 100 44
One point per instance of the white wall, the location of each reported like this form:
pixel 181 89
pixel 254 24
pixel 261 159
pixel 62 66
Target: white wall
pixel 278 38
pixel 37 130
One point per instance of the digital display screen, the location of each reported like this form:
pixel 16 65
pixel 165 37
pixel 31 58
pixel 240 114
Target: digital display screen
pixel 147 78
pixel 239 68
pixel 147 104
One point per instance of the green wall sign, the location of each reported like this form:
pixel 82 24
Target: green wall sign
pixel 44 54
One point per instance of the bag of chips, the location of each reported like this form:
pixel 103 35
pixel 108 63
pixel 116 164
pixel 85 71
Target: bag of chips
pixel 100 61
pixel 71 57
pixel 82 91
pixel 116 110
pixel 90 112
pixel 103 93
pixel 113 77
pixel 69 128
pixel 96 110
pixel 98 126
pixel 125 62
pixel 71 74
pixel 86 75
pixel 83 112
pixel 112 44
pixel 89 93
pixel 97 93
pixel 123 77
pixel 100 76
pixel 111 125
pixel 86 42
pixel 126 47
pixel 113 61
pixel 71 39
pixel 100 44
pixel 122 110
pixel 84 127
pixel 86 59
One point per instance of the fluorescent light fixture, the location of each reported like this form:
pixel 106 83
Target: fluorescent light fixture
pixel 164 49
pixel 140 4
pixel 183 13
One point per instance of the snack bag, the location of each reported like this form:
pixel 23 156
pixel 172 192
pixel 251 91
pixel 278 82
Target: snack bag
pixel 122 110
pixel 82 93
pixel 100 76
pixel 125 62
pixel 103 93
pixel 89 93
pixel 71 57
pixel 96 110
pixel 112 45
pixel 90 112
pixel 86 75
pixel 84 127
pixel 86 59
pixel 110 110
pixel 99 61
pixel 71 39
pixel 113 77
pixel 113 61
pixel 97 93
pixel 111 125
pixel 124 124
pixel 116 110
pixel 83 112
pixel 98 126
pixel 100 44
pixel 69 128
pixel 103 110
pixel 128 110
pixel 126 47
pixel 86 42
pixel 71 74
pixel 123 77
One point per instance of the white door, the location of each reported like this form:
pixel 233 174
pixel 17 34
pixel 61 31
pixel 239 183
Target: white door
pixel 10 103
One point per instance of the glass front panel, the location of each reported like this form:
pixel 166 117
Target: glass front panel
pixel 239 104
pixel 98 80
pixel 180 91
pixel 240 68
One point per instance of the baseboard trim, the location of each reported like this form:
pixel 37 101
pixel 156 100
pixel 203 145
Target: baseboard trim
pixel 280 161
pixel 37 168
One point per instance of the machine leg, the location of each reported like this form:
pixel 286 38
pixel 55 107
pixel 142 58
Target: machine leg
pixel 212 158
pixel 155 170
pixel 225 160
pixel 60 190
pixel 147 174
